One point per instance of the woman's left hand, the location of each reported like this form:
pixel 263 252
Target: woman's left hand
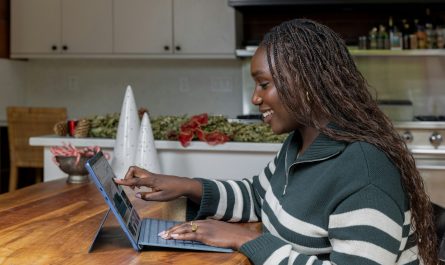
pixel 212 232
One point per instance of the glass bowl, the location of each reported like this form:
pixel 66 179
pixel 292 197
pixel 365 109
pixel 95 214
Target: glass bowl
pixel 77 173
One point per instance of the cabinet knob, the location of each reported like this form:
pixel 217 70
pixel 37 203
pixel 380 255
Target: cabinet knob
pixel 54 47
pixel 178 48
pixel 166 48
pixel 64 47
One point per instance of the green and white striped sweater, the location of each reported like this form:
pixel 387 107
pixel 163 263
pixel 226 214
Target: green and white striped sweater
pixel 338 203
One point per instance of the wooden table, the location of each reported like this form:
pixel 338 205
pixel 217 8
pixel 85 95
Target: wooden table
pixel 55 223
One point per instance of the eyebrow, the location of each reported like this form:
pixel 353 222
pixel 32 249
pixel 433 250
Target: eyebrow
pixel 257 73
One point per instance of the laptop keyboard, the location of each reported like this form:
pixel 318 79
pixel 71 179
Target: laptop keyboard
pixel 152 227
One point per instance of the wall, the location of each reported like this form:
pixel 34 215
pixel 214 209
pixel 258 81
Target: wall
pixel 88 87
pixel 12 76
pixel 419 79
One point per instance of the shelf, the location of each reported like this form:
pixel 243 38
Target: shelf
pixel 242 53
pixel 427 52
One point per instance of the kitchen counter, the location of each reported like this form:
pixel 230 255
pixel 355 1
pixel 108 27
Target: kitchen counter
pixel 232 160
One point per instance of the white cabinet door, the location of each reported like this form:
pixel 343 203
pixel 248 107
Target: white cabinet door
pixel 204 27
pixel 35 26
pixel 87 26
pixel 143 26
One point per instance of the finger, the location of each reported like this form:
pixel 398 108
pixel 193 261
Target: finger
pixel 179 228
pixel 136 172
pixel 128 182
pixel 151 196
pixel 185 236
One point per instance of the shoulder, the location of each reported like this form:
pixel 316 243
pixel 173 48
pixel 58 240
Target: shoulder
pixel 377 169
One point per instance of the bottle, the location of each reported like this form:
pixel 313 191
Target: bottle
pixel 440 37
pixel 382 38
pixel 406 31
pixel 430 40
pixel 373 38
pixel 420 34
pixel 395 36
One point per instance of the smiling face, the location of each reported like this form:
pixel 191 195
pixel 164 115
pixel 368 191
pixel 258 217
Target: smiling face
pixel 265 95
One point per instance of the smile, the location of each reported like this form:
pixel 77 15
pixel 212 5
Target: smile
pixel 267 114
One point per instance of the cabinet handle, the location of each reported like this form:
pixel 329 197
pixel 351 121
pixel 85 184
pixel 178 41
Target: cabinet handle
pixel 64 47
pixel 166 48
pixel 178 48
pixel 54 47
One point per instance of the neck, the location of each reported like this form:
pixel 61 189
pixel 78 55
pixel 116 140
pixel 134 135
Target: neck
pixel 308 136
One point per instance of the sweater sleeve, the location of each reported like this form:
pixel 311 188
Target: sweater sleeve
pixel 368 227
pixel 235 201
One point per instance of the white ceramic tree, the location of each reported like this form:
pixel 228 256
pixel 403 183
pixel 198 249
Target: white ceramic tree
pixel 127 135
pixel 146 154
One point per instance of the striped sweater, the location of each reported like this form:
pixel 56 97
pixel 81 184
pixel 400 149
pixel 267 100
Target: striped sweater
pixel 338 203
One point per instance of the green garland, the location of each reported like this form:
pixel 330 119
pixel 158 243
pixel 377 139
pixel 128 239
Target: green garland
pixel 167 128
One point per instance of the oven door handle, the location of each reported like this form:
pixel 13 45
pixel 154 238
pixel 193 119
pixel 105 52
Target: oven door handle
pixel 428 151
pixel 430 167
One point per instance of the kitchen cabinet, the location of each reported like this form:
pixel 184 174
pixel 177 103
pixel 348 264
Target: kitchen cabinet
pixel 4 29
pixel 143 26
pixel 184 28
pixel 60 27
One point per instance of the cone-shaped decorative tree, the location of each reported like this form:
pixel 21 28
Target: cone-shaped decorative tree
pixel 146 154
pixel 127 135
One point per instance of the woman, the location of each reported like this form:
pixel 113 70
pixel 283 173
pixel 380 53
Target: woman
pixel 343 189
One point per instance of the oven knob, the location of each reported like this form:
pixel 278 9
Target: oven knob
pixel 407 137
pixel 436 139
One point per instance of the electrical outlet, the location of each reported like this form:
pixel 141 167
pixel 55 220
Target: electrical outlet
pixel 184 85
pixel 221 85
pixel 73 83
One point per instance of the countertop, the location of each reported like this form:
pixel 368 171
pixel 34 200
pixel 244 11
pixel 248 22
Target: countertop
pixel 52 140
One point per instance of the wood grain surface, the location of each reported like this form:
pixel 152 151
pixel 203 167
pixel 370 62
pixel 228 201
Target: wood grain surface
pixel 55 223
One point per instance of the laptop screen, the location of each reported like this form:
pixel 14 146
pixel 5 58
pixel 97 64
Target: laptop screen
pixel 104 173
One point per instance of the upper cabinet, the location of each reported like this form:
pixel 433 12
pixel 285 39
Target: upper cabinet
pixel 122 28
pixel 4 29
pixel 143 26
pixel 195 28
pixel 203 27
pixel 60 27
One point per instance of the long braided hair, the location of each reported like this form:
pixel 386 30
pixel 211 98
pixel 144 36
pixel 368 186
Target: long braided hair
pixel 317 79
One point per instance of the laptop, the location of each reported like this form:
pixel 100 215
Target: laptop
pixel 141 233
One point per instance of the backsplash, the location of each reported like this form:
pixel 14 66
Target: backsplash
pixel 97 86
pixel 420 79
pixel 88 87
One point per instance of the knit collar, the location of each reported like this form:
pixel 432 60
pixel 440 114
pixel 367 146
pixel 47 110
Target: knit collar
pixel 322 148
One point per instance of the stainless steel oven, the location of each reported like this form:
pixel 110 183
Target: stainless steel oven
pixel 425 141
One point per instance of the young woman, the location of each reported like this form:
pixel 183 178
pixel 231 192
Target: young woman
pixel 342 190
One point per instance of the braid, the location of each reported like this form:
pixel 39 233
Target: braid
pixel 313 70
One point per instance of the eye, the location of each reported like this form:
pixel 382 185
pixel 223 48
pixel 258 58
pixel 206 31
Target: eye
pixel 263 85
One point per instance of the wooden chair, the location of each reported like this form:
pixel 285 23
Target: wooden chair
pixel 23 123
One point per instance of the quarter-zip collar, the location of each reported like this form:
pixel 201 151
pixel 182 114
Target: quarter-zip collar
pixel 321 149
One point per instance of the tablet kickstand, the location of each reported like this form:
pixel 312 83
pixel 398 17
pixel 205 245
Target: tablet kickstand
pixel 99 230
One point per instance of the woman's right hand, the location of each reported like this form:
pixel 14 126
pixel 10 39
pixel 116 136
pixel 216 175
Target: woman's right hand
pixel 164 187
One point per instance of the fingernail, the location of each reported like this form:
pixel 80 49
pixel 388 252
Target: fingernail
pixel 138 195
pixel 161 233
pixel 175 236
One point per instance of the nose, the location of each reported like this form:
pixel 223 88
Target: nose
pixel 256 98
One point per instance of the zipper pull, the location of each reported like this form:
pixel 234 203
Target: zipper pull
pixel 284 190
